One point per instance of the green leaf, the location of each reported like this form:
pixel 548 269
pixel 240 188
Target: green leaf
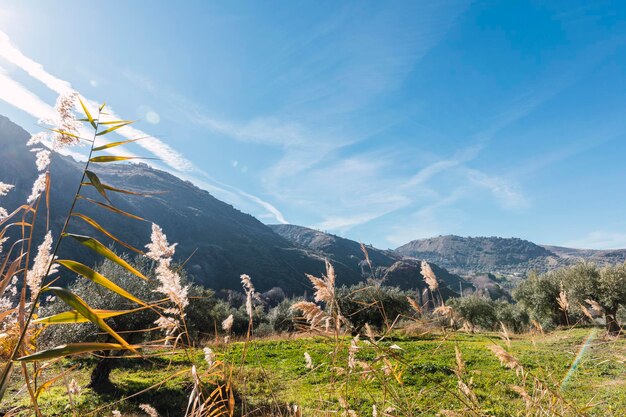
pixel 98 278
pixel 99 248
pixel 114 122
pixel 75 317
pixel 102 106
pixel 114 144
pixel 111 208
pixel 112 158
pixel 96 226
pixel 111 129
pixel 95 181
pixel 93 123
pixel 73 349
pixel 81 306
pixel 63 132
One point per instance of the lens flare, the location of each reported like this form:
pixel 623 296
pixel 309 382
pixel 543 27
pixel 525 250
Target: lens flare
pixel 579 356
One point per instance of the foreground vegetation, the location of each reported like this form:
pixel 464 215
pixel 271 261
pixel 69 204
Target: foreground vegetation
pixel 275 376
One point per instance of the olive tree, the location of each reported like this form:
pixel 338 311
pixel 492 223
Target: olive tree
pixel 538 295
pixel 606 286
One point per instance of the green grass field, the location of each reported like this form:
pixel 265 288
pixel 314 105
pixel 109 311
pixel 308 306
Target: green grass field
pixel 274 374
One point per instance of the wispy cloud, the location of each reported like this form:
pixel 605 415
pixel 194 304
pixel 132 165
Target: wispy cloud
pixel 600 239
pixel 17 95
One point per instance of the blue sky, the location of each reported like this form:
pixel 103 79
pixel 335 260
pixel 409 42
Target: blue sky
pixel 379 121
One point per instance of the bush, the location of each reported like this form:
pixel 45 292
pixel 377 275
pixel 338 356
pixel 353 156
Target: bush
pixel 377 306
pixel 476 311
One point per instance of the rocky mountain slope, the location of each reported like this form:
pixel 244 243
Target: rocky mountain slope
pixel 508 256
pixel 394 269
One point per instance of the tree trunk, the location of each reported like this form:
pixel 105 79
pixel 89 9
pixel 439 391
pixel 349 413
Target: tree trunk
pixel 612 326
pixel 100 375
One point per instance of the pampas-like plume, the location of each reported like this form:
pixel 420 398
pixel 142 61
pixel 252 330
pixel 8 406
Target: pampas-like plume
pixel 42 159
pixel 167 324
pixel 521 391
pixel 460 364
pixel 227 324
pixel 209 356
pixel 414 305
pixel 38 187
pixel 325 286
pixel 5 188
pixel 40 266
pixel 562 300
pixel 149 410
pixel 312 313
pixel 308 360
pixel 586 312
pixel 537 325
pixel 66 121
pixel 595 306
pixel 367 256
pixel 159 248
pixel 505 334
pixel 429 276
pixel 246 283
pixel 506 359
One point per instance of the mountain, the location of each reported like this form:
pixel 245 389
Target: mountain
pixel 507 256
pixel 224 241
pixel 393 268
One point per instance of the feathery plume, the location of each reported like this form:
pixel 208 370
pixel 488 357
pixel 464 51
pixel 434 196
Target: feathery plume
pixel 40 266
pixel 368 332
pixel 246 283
pixel 595 306
pixel 308 360
pixel 460 364
pixel 562 300
pixel 505 334
pixel 66 121
pixel 414 305
pixel 42 159
pixel 149 410
pixel 227 324
pixel 521 391
pixel 209 356
pixel 158 247
pixel 537 325
pixel 38 187
pixel 37 138
pixel 312 313
pixel 170 284
pixel 167 324
pixel 584 309
pixel 367 256
pixel 506 359
pixel 429 276
pixel 5 188
pixel 325 286
pixel 74 388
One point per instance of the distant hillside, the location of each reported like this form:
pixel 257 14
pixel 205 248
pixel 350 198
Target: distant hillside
pixel 509 256
pixel 593 255
pixel 393 268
